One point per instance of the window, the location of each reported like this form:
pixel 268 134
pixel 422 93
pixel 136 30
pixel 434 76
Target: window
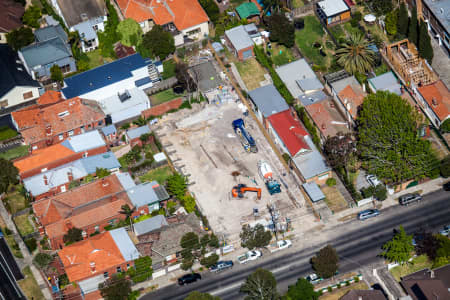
pixel 128 265
pixel 63 189
pixel 89 126
pixel 65 68
pixel 83 234
pixel 34 148
pixel 119 270
pixel 106 274
pixel 61 136
pixel 71 133
pixel 27 95
pixel 3 103
pixel 192 32
pixel 85 154
pixel 100 123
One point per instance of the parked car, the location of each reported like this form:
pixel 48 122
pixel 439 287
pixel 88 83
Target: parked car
pixel 373 180
pixel 368 213
pixel 313 278
pixel 189 278
pixel 446 186
pixel 409 198
pixel 249 256
pixel 280 245
pixel 445 231
pixel 221 266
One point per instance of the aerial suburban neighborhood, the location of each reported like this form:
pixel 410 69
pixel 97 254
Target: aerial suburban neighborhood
pixel 225 149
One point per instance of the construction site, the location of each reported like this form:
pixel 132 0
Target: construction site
pixel 232 170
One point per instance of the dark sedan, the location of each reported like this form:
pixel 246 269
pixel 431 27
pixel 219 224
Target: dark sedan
pixel 189 278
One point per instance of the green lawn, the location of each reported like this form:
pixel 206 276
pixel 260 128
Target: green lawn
pixel 7 133
pixel 252 73
pixel 297 3
pixel 15 153
pixel 308 36
pixel 160 175
pixel 348 27
pixel 337 31
pixel 96 59
pixel 23 225
pixel 13 246
pixel 281 55
pixel 29 285
pixel 417 264
pixel 164 96
pixel 169 68
pixel 14 200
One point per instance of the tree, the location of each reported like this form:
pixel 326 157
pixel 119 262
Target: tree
pixel 56 73
pixel 427 244
pixel 213 241
pixel 190 241
pixel 445 167
pixel 19 38
pixel 188 203
pixel 443 252
pixel 200 296
pixel 159 42
pixel 413 27
pixel 130 32
pixel 388 143
pixel 391 22
pixel 184 78
pixel 380 192
pixel 115 288
pixel 127 211
pixel 31 16
pixel 356 56
pixel 281 29
pixel 340 150
pixel 400 248
pixel 254 237
pixel 42 260
pixel 302 290
pixel 212 10
pixel 381 7
pixel 73 235
pixel 260 285
pixel 102 172
pixel 8 175
pixel 109 36
pixel 403 20
pixel 210 260
pixel 325 263
pixel 425 48
pixel 177 185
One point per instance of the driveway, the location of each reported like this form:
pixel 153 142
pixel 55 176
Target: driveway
pixel 441 62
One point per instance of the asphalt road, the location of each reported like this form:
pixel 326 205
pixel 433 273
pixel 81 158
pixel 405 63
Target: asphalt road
pixel 357 242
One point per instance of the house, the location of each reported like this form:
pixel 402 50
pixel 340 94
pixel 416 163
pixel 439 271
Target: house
pixel 147 197
pixel 90 207
pixel 435 14
pixel 240 43
pixel 186 19
pixel 248 11
pixel 267 101
pixel 385 82
pixel 149 225
pixel 254 33
pixel 90 262
pixel 11 13
pixel 51 48
pixel 333 12
pixel 110 133
pixel 428 284
pixel 293 139
pixel 112 79
pixel 347 94
pixel 364 294
pixel 17 88
pixel 58 180
pixel 85 16
pixel 45 125
pixel 133 135
pixel 73 148
pixel 435 101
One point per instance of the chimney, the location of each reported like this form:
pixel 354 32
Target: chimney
pixel 324 126
pixel 92 265
pixel 70 176
pixel 431 274
pixel 434 101
pixel 45 180
pixel 359 297
pixel 48 129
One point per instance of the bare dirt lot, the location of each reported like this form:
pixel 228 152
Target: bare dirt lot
pixel 202 144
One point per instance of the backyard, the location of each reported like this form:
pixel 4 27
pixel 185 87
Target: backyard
pixel 96 59
pixel 281 55
pixel 160 175
pixel 418 263
pixel 7 133
pixel 164 96
pixel 334 199
pixel 23 224
pixel 252 73
pixel 15 200
pixel 169 68
pixel 29 285
pixel 15 152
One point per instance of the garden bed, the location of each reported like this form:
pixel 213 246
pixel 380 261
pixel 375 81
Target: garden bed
pixel 160 175
pixel 338 293
pixel 164 96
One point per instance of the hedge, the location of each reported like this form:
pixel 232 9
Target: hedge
pixel 309 125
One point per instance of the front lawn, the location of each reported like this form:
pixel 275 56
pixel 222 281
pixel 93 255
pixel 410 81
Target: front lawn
pixel 15 152
pixel 169 68
pixel 334 199
pixel 96 59
pixel 164 96
pixel 7 133
pixel 160 175
pixel 281 55
pixel 418 263
pixel 252 73
pixel 338 293
pixel 23 225
pixel 14 200
pixel 29 285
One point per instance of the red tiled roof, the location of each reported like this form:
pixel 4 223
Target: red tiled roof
pixel 80 258
pixel 11 13
pixel 441 95
pixel 323 118
pixel 50 97
pixel 290 131
pixel 353 97
pixel 183 13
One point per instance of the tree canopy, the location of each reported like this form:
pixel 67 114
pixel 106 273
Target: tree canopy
pixel 176 185
pixel 427 244
pixel 403 20
pixel 31 16
pixel 413 27
pixel 73 235
pixel 159 42
pixel 389 144
pixel 211 9
pixel 130 32
pixel 260 285
pixel 56 73
pixel 325 263
pixel 19 38
pixel 115 288
pixel 425 48
pixel 42 260
pixel 340 150
pixel 281 29
pixel 8 175
pixel 391 22
pixel 400 248
pixel 355 55
pixel 254 237
pixel 302 290
pixel 381 7
pixel 201 296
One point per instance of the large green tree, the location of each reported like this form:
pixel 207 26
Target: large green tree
pixel 177 185
pixel 388 140
pixel 201 296
pixel 403 20
pixel 56 73
pixel 8 175
pixel 31 16
pixel 391 22
pixel 73 235
pixel 400 248
pixel 260 285
pixel 281 29
pixel 254 236
pixel 158 42
pixel 355 55
pixel 425 48
pixel 115 288
pixel 341 150
pixel 325 263
pixel 302 290
pixel 19 38
pixel 381 7
pixel 413 27
pixel 130 32
pixel 212 10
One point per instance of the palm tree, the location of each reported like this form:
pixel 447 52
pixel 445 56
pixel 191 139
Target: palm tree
pixel 356 56
pixel 127 211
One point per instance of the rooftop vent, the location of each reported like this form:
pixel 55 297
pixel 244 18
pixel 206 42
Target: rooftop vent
pixel 63 114
pixel 124 96
pixel 84 17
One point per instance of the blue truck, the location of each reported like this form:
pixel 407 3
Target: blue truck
pixel 246 139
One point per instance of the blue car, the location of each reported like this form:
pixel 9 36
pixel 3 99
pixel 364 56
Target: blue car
pixel 221 266
pixel 368 213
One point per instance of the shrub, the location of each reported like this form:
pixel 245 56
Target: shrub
pixel 347 283
pixel 380 192
pixel 308 124
pixel 356 278
pixel 286 157
pixel 445 167
pixel 31 244
pixel 42 260
pixel 354 22
pixel 210 260
pixel 63 280
pixel 331 181
pixel 330 289
pixel 367 192
pixel 6 231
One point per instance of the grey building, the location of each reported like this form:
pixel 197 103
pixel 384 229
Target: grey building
pixel 267 101
pixel 436 14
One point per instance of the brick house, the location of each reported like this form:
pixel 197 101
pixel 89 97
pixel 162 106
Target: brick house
pixel 240 42
pixel 133 135
pixel 73 148
pixel 435 101
pixel 90 262
pixel 47 124
pixel 333 12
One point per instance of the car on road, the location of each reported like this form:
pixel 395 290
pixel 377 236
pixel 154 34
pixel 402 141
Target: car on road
pixel 373 180
pixel 368 213
pixel 446 186
pixel 409 198
pixel 189 278
pixel 280 245
pixel 249 256
pixel 313 278
pixel 221 266
pixel 445 231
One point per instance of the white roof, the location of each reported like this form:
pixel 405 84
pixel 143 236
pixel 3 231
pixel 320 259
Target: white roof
pixel 333 7
pixel 296 70
pixel 124 243
pixel 160 157
pixel 85 141
pixel 91 284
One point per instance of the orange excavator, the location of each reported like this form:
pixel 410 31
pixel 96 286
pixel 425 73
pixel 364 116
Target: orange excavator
pixel 240 189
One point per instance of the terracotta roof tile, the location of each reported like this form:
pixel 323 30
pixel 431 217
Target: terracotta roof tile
pixel 50 97
pixel 354 96
pixel 441 95
pixel 11 13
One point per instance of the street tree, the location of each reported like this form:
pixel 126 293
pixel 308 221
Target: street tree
pixel 159 42
pixel 355 55
pixel 201 296
pixel 130 32
pixel 254 237
pixel 31 16
pixel 443 252
pixel 425 48
pixel 427 244
pixel 56 73
pixel 260 285
pixel 73 235
pixel 400 248
pixel 403 20
pixel 210 260
pixel 325 263
pixel 341 150
pixel 115 288
pixel 8 175
pixel 413 27
pixel 302 290
pixel 388 144
pixel 281 29
pixel 177 185
pixel 19 38
pixel 391 22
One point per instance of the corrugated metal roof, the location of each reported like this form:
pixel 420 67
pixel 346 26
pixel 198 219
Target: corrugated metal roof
pixel 125 180
pixel 239 37
pixel 50 32
pixel 296 70
pixel 333 7
pixel 91 284
pixel 268 100
pixel 46 52
pixel 125 244
pixel 137 132
pixel 85 141
pixel 105 160
pixel 110 129
pixel 147 193
pixel 150 225
pixel 386 82
pixel 311 163
pixel 313 191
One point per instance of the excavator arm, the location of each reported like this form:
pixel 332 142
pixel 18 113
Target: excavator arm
pixel 238 191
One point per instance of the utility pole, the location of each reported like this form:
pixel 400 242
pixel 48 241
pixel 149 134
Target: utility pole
pixel 274 217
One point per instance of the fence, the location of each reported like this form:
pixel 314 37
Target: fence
pixel 305 10
pixel 162 85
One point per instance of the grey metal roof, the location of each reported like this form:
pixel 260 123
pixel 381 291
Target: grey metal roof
pixel 296 70
pixel 75 12
pixel 208 78
pixel 85 30
pixel 313 191
pixel 85 141
pixel 137 132
pixel 239 37
pixel 110 129
pixel 105 160
pixel 217 46
pixel 147 193
pixel 268 100
pixel 50 21
pixel 311 98
pixel 441 10
pixel 386 82
pixel 50 32
pixel 150 225
pixel 309 84
pixel 333 7
pixel 45 52
pixel 341 84
pixel 312 162
pixel 125 244
pixel 91 284
pixel 125 180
